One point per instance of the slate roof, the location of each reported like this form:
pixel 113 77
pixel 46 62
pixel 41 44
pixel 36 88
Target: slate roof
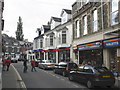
pixel 46 27
pixel 68 11
pixel 56 19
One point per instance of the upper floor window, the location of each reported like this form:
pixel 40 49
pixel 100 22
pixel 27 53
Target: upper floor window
pixel 51 40
pixel 77 29
pixel 36 43
pixel 85 25
pixel 63 37
pixel 114 12
pixel 46 42
pixel 95 21
pixel 59 41
pixel 41 43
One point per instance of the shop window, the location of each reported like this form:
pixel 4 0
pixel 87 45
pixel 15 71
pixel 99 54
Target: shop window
pixel 114 12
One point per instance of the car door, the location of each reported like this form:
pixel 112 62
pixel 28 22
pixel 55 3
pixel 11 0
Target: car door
pixel 87 73
pixel 79 74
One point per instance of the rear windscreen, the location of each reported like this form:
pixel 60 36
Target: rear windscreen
pixel 101 69
pixel 73 65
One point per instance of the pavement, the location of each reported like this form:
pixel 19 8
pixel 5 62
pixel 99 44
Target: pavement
pixel 12 80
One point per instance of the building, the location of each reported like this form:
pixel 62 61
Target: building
pixel 96 33
pixel 10 46
pixel 1 24
pixel 54 40
pixel 26 48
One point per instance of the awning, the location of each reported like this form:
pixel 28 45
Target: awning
pixel 91 45
pixel 37 50
pixel 112 42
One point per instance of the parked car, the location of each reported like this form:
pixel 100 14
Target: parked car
pixel 46 64
pixel 64 68
pixel 14 60
pixel 93 76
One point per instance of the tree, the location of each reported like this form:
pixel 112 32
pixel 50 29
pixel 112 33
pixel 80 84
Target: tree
pixel 19 32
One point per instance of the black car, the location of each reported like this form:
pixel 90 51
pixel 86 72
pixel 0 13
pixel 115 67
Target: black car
pixel 64 68
pixel 93 76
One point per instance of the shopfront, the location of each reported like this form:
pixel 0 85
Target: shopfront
pixel 112 45
pixel 91 53
pixel 52 55
pixel 64 54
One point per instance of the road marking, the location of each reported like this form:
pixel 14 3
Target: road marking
pixel 20 78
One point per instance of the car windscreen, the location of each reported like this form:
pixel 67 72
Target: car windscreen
pixel 101 69
pixel 49 61
pixel 73 65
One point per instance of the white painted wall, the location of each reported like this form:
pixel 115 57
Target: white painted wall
pixel 54 24
pixel 65 17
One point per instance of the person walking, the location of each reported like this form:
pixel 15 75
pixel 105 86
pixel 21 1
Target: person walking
pixel 33 66
pixel 25 65
pixel 8 62
pixel 3 64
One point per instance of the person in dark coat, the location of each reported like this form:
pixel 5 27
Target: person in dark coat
pixel 8 62
pixel 25 65
pixel 33 66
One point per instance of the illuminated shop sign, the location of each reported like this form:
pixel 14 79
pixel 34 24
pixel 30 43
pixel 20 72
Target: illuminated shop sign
pixel 112 42
pixel 95 45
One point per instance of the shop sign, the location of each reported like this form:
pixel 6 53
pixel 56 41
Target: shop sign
pixel 90 46
pixel 112 42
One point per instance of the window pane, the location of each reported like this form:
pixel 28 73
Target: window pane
pixel 63 36
pixel 114 18
pixel 95 21
pixel 77 28
pixel 85 26
pixel 114 5
pixel 95 26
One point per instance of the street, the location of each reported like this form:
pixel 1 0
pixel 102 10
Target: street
pixel 45 78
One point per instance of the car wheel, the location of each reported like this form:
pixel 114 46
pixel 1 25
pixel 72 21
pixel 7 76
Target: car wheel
pixel 71 78
pixel 64 73
pixel 111 86
pixel 89 84
pixel 44 67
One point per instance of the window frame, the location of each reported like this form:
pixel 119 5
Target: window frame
pixel 95 20
pixel 85 30
pixel 64 40
pixel 112 12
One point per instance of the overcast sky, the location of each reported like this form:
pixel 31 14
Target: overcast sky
pixel 34 13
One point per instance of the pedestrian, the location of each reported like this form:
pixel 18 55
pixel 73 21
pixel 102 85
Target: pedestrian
pixel 8 62
pixel 25 65
pixel 33 65
pixel 3 64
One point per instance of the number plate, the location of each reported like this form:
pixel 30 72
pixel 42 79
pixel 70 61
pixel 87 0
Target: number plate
pixel 106 76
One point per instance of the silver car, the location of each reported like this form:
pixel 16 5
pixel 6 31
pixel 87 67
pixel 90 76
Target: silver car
pixel 46 64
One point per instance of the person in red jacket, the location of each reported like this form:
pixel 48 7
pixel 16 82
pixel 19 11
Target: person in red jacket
pixel 33 65
pixel 3 64
pixel 8 62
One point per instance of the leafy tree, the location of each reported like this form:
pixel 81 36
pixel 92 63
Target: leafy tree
pixel 19 32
